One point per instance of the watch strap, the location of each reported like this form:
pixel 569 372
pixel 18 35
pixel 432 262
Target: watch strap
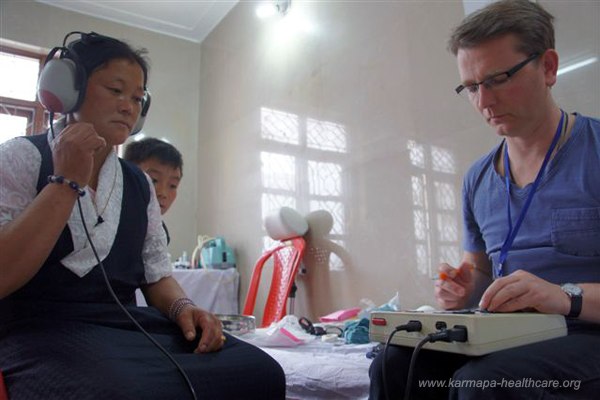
pixel 576 304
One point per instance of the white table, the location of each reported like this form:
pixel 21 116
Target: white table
pixel 215 290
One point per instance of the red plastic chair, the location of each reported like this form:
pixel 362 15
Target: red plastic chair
pixel 3 391
pixel 286 260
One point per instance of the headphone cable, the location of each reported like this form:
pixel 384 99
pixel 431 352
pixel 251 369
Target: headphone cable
pixel 135 322
pixel 51 123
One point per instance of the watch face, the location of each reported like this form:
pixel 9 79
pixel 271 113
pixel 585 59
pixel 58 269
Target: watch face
pixel 572 290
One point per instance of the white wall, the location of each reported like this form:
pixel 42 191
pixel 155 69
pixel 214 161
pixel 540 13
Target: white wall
pixel 380 72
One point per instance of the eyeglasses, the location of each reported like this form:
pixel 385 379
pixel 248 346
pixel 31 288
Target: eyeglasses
pixel 494 81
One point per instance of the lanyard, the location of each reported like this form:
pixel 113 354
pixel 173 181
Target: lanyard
pixel 512 231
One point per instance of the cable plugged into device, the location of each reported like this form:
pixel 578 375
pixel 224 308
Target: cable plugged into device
pixel 411 326
pixel 458 333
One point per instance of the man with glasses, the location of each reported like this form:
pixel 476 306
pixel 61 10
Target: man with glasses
pixel 532 222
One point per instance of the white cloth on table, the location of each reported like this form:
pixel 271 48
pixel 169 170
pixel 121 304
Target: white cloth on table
pixel 215 290
pixel 318 370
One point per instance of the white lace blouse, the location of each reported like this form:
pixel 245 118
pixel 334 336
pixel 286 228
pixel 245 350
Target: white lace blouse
pixel 19 168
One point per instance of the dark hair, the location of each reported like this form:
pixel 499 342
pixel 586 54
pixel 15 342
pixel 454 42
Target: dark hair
pixel 93 50
pixel 528 21
pixel 147 148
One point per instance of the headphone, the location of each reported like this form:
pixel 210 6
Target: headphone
pixel 63 80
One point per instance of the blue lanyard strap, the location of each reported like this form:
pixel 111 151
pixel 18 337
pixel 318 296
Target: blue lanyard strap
pixel 512 231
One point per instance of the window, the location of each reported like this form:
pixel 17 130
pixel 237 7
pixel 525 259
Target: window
pixel 435 206
pixel 302 167
pixel 20 112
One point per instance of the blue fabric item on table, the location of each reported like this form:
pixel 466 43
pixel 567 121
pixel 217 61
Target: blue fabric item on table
pixel 357 331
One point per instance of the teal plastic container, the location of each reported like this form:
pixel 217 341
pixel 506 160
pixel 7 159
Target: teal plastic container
pixel 217 255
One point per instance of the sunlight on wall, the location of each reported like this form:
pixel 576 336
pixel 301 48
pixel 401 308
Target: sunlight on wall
pixel 302 168
pixel 278 171
pixel 279 126
pixel 326 136
pixel 434 206
pixel 324 179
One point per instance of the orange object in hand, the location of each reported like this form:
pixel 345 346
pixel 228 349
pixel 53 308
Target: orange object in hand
pixel 443 276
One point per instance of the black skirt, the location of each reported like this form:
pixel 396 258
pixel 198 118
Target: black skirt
pixel 93 351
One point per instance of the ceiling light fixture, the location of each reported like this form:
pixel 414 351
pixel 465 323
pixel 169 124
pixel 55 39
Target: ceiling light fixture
pixel 283 6
pixel 269 8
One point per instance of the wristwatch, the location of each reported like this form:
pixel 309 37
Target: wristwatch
pixel 575 293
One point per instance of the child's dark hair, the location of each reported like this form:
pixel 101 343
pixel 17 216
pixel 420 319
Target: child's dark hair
pixel 142 150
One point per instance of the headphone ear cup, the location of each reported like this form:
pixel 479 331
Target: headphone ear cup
pixel 142 118
pixel 57 86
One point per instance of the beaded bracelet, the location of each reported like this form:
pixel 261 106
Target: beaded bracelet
pixel 72 184
pixel 177 306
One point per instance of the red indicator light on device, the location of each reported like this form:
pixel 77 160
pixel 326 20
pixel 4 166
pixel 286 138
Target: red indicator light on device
pixel 379 321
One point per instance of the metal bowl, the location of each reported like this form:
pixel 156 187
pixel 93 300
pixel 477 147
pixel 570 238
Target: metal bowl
pixel 237 324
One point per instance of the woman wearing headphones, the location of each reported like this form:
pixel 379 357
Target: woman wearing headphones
pixel 80 230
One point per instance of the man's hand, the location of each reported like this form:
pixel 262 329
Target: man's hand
pixel 522 290
pixel 454 286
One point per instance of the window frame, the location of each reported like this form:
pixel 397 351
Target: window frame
pixel 34 111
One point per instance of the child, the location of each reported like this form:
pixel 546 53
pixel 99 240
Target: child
pixel 163 162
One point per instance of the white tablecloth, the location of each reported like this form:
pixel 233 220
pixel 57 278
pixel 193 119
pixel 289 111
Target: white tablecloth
pixel 215 290
pixel 317 370
pixel 322 371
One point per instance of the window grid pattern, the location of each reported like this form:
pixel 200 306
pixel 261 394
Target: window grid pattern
pixel 278 171
pixel 272 202
pixel 336 209
pixel 434 206
pixel 279 126
pixel 442 160
pixel 416 153
pixel 324 179
pixel 323 135
pixel 303 170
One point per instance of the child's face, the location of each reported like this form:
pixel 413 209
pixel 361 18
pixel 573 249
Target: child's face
pixel 166 180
